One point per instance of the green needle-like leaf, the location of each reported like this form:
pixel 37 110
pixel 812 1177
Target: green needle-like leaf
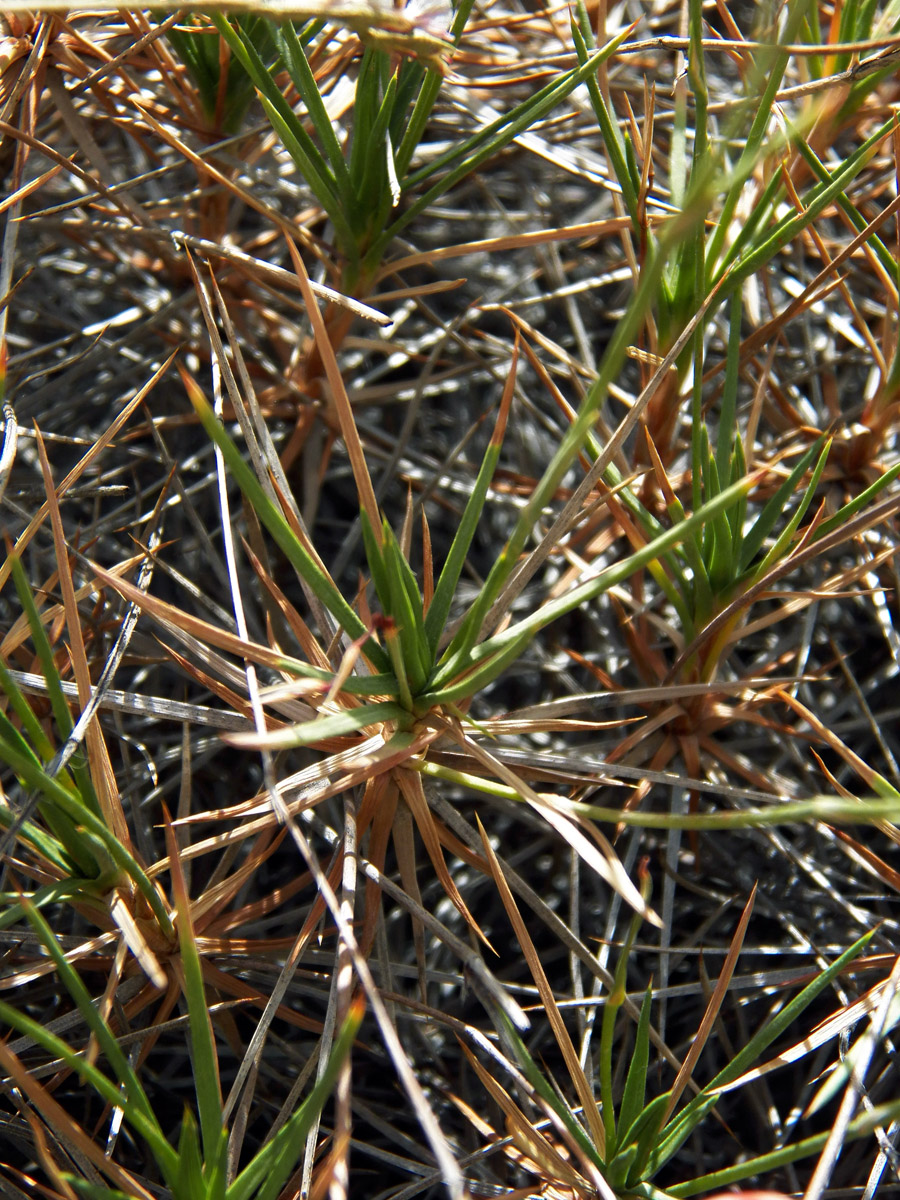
pixel 89 894
pixel 373 189
pixel 815 202
pixel 108 1090
pixel 462 159
pixel 40 781
pixel 644 1134
pixel 757 218
pixel 281 531
pixel 53 683
pixel 782 542
pixel 87 1006
pixel 294 58
pixel 613 141
pixel 428 94
pixel 512 1040
pixel 880 1117
pixel 774 509
pixel 728 410
pixel 765 81
pixel 445 590
pixel 365 112
pixel 25 713
pixel 681 1126
pixel 189 1183
pixel 632 1104
pixel 406 609
pixel 296 140
pixel 353 720
pixel 376 559
pixel 857 220
pixel 94 1191
pixel 858 503
pixel 204 1059
pixel 486 661
pixel 14 749
pixel 263 1178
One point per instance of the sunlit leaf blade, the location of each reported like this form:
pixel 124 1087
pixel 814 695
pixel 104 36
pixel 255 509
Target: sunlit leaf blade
pixel 201 55
pixel 880 1025
pixel 353 720
pixel 366 105
pixel 756 219
pixel 11 735
pixel 737 515
pixel 669 1140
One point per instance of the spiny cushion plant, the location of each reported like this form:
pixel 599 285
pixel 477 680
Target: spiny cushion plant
pixel 618 1142
pixel 198 1167
pixel 360 185
pixel 394 695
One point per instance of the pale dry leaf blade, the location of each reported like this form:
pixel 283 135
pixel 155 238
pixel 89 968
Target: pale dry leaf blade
pixel 101 770
pixel 525 1136
pixel 413 791
pixel 56 1116
pixel 89 457
pixel 712 1009
pixel 135 940
pixel 605 862
pixel 171 617
pixel 576 1072
pixel 825 1032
